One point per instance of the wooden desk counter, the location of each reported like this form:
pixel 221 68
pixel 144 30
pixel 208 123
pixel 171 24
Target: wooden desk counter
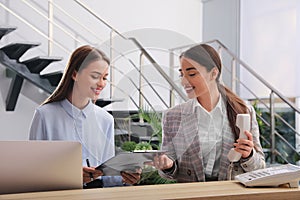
pixel 225 190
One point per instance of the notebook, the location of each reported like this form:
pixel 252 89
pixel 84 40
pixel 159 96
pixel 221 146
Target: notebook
pixel 31 166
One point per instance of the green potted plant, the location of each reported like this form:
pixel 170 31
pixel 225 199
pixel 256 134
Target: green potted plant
pixel 150 175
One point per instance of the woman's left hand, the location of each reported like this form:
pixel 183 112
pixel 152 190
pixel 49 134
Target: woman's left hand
pixel 131 177
pixel 245 146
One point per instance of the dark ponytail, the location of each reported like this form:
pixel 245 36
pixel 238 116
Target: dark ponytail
pixel 234 105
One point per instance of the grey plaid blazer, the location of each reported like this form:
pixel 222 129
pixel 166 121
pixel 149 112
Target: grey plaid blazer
pixel 181 140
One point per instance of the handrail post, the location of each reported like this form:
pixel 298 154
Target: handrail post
pixel 159 69
pixel 111 57
pixel 297 121
pixel 141 100
pixel 272 128
pixel 220 52
pixel 171 68
pixel 50 27
pixel 233 75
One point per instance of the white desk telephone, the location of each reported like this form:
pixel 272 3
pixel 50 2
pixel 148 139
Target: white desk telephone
pixel 243 123
pixel 272 176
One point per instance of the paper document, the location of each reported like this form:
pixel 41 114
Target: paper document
pixel 128 161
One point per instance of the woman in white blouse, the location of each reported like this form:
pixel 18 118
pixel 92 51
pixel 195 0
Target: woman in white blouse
pixel 70 114
pixel 199 133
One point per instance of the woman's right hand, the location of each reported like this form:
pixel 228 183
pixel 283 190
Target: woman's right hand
pixel 162 162
pixel 86 171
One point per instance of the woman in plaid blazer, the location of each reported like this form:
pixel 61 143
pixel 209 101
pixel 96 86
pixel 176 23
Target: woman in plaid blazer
pixel 199 133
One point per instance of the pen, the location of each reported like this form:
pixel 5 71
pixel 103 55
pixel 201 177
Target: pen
pixel 88 164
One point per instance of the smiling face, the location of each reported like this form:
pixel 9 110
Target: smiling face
pixel 91 80
pixel 195 79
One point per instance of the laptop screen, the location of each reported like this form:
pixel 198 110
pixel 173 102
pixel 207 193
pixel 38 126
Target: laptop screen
pixel 30 166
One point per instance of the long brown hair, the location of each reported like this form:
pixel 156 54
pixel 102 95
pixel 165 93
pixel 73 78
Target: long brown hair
pixel 79 59
pixel 208 57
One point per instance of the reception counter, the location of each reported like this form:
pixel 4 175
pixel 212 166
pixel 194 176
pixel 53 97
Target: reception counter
pixel 225 190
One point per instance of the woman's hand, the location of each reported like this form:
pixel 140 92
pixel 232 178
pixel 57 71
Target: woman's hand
pixel 245 146
pixel 131 177
pixel 162 162
pixel 88 171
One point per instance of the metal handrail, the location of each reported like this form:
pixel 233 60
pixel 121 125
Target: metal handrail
pixel 272 111
pixel 136 87
pixel 281 96
pixel 142 75
pixel 76 21
pixel 286 142
pixel 144 52
pixel 34 28
pixel 61 9
pixel 142 49
pixel 89 10
pixel 263 103
pixel 52 22
pixel 159 69
pixel 61 28
pixel 124 92
pixel 145 78
pixel 55 5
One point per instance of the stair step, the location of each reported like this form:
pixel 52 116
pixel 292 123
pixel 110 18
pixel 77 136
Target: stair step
pixel 124 114
pixel 6 30
pixel 37 64
pixel 16 50
pixel 141 129
pixel 53 77
pixel 104 102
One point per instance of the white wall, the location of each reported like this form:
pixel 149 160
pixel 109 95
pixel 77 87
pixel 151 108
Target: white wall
pixel 221 21
pixel 14 125
pixel 270 44
pixel 178 16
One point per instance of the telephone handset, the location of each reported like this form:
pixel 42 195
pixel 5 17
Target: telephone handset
pixel 243 123
pixel 272 176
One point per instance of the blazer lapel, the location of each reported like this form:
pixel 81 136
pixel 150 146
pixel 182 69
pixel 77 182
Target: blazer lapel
pixel 228 140
pixel 189 128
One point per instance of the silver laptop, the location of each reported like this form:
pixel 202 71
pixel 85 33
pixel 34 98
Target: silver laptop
pixel 30 166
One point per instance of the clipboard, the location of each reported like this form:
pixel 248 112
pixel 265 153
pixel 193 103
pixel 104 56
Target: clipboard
pixel 128 161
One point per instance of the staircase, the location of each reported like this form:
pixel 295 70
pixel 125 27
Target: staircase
pixel 29 69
